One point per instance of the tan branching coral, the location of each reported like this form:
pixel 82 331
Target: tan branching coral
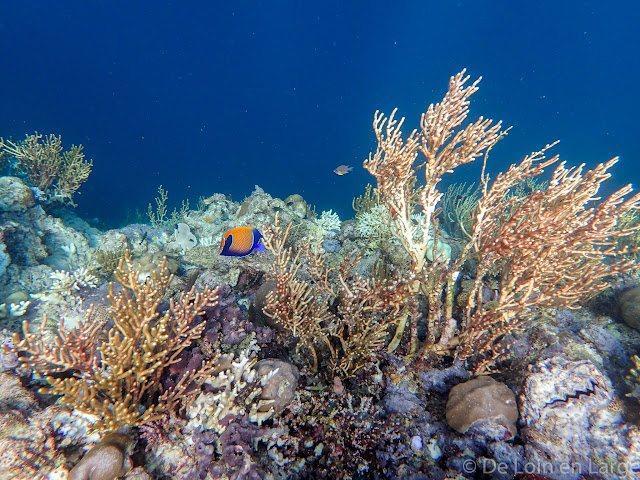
pixel 395 168
pixel 558 248
pixel 73 349
pixel 294 303
pixel 549 246
pixel 631 219
pixel 366 308
pixel 56 173
pixel 115 375
pixel 332 307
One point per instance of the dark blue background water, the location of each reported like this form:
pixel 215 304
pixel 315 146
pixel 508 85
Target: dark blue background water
pixel 206 97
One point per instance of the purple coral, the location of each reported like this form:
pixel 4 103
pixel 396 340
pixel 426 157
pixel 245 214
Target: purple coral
pixel 204 452
pixel 235 443
pixel 228 319
pixel 225 322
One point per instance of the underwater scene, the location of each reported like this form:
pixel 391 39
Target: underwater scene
pixel 334 240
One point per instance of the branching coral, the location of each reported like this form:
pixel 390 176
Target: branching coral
pixel 56 173
pixel 394 162
pixel 233 377
pixel 630 220
pixel 362 310
pixel 557 248
pixel 366 202
pixel 117 376
pixel 374 225
pixel 549 245
pixel 65 282
pixel 159 217
pixel 294 303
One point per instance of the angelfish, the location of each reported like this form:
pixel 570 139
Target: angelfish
pixel 240 242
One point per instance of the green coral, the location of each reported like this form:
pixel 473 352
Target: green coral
pixel 158 218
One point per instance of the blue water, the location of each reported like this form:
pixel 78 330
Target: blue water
pixel 207 97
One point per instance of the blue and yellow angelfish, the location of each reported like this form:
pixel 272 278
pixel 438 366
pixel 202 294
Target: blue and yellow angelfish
pixel 240 242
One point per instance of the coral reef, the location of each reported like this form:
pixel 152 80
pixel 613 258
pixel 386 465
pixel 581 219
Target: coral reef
pixel 348 349
pixel 365 310
pixel 535 241
pixel 113 378
pixel 53 172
